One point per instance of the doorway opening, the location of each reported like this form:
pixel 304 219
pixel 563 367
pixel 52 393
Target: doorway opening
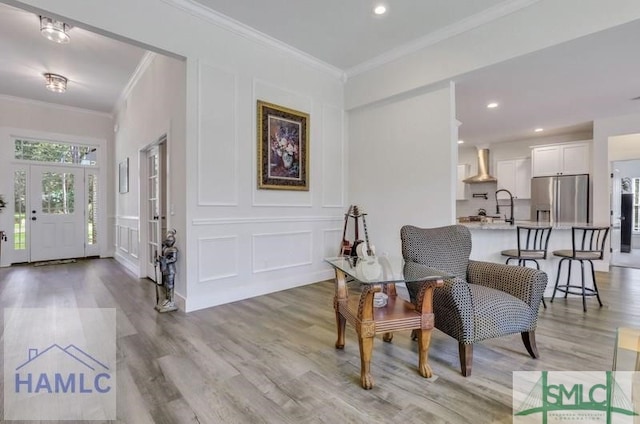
pixel 56 191
pixel 624 164
pixel 625 213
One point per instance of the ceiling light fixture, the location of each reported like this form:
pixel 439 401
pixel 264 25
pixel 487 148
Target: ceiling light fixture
pixel 380 10
pixel 538 130
pixel 53 30
pixel 492 105
pixel 460 141
pixel 56 83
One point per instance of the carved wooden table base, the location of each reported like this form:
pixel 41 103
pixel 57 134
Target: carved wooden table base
pixel 397 315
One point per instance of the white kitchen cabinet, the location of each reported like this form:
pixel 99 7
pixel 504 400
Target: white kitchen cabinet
pixel 461 188
pixel 515 175
pixel 560 159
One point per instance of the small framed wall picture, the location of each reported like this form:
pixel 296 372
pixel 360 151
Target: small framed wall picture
pixel 123 176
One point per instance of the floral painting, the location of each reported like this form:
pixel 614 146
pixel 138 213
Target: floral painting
pixel 283 142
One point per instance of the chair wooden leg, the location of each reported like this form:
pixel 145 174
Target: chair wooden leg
pixel 529 340
pixel 466 358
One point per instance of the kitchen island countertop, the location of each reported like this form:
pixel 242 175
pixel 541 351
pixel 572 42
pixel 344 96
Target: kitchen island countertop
pixel 501 225
pixel 490 239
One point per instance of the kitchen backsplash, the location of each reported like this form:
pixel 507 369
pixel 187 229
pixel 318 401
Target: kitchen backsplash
pixel 521 207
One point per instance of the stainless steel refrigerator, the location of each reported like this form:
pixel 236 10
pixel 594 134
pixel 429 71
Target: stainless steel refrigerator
pixel 562 198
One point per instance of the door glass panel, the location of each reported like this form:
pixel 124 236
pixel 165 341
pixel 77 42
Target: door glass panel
pixel 92 209
pixel 153 187
pixel 153 238
pixel 20 211
pixel 153 165
pixel 57 193
pixel 153 208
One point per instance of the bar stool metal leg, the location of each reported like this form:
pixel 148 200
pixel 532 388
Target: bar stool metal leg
pixel 555 288
pixel 584 297
pixel 538 268
pixel 595 286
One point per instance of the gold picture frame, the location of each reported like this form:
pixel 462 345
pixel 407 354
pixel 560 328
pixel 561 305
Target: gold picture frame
pixel 283 148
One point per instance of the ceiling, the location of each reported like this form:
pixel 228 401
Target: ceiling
pixel 346 33
pixel 561 89
pixel 98 68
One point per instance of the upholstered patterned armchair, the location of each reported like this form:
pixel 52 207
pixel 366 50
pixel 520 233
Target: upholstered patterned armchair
pixel 483 300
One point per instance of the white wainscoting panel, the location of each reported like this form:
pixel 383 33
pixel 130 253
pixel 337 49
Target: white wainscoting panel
pixel 332 157
pixel 331 242
pixel 276 251
pixel 217 258
pixel 217 137
pixel 134 242
pixel 123 238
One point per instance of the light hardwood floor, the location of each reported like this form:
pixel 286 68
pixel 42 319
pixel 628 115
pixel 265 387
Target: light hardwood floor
pixel 271 359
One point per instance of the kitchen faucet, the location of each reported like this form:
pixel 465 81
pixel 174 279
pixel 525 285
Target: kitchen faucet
pixel 511 220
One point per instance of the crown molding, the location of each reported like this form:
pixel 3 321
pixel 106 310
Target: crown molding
pixel 199 10
pixel 145 62
pixel 467 24
pixel 40 103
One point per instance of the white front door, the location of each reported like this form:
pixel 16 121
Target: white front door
pixel 57 212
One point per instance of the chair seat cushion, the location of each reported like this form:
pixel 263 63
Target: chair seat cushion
pixel 524 254
pixel 579 255
pixel 497 313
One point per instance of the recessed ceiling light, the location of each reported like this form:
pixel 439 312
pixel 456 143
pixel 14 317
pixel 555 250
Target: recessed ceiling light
pixel 460 141
pixel 380 10
pixel 539 129
pixel 492 105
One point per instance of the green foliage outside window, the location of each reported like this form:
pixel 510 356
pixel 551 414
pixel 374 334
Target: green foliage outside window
pixel 45 151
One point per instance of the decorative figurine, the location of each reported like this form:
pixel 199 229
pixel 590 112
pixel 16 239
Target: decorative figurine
pixel 167 263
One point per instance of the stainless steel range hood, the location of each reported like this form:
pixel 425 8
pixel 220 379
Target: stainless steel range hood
pixel 483 175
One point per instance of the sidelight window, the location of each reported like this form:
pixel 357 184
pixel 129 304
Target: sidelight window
pixel 92 209
pixel 20 210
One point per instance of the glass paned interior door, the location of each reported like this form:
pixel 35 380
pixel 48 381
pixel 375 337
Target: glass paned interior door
pixel 154 205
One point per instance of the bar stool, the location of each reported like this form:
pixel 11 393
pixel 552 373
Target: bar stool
pixel 532 246
pixel 587 246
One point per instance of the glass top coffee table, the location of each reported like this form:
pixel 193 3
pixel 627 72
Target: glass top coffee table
pixel 379 275
pixel 626 356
